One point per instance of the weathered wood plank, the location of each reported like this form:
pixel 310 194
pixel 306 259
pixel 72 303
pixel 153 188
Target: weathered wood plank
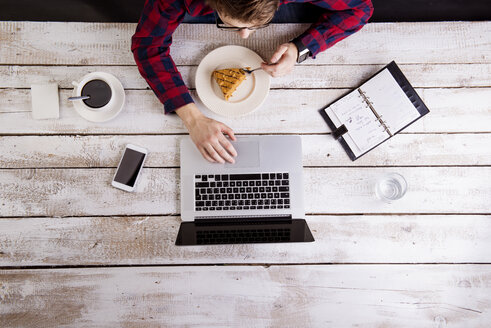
pixel 338 239
pixel 275 296
pixel 318 150
pixel 303 76
pixel 377 43
pixel 84 192
pixel 454 54
pixel 292 111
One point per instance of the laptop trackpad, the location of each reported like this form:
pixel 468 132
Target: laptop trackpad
pixel 247 154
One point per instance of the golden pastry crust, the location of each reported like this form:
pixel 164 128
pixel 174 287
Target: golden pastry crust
pixel 229 79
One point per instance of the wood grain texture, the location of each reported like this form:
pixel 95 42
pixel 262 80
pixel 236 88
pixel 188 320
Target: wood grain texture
pixel 318 150
pixel 244 296
pixel 284 111
pixel 303 76
pixel 52 43
pixel 338 239
pixel 57 207
pixel 82 192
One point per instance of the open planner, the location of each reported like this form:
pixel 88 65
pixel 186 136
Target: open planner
pixel 374 112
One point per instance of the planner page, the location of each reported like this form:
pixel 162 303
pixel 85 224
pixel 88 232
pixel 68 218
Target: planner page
pixel 347 138
pixel 389 101
pixel 362 124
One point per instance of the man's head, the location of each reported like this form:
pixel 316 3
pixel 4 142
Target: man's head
pixel 245 13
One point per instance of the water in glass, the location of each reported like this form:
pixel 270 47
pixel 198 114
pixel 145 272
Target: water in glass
pixel 391 187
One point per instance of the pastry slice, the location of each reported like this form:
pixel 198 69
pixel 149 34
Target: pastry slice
pixel 229 79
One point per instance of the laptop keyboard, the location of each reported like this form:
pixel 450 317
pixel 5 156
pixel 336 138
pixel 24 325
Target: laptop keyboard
pixel 242 236
pixel 251 191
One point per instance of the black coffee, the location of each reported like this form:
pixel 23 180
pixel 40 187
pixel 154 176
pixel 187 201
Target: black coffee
pixel 99 92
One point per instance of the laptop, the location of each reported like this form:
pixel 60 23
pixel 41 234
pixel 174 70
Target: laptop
pixel 258 199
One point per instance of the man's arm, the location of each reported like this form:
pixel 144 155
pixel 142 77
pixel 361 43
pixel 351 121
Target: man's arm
pixel 341 19
pixel 151 49
pixel 150 45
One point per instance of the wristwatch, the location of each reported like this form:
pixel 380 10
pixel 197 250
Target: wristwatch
pixel 303 51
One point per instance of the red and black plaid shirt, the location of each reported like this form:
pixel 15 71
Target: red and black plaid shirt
pixel 159 19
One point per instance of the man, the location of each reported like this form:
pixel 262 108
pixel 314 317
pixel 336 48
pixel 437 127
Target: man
pixel 159 19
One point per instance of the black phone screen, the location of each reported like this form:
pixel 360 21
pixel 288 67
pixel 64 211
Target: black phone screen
pixel 129 167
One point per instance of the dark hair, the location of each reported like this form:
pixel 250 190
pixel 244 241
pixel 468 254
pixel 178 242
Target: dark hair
pixel 254 11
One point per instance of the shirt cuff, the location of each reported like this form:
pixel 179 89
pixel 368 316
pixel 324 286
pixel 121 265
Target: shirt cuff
pixel 309 41
pixel 175 98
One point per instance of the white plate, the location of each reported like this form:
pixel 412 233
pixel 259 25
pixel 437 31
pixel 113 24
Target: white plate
pixel 104 114
pixel 249 96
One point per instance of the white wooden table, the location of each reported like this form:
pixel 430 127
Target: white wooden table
pixel 75 252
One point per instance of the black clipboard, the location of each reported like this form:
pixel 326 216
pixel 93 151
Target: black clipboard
pixel 408 90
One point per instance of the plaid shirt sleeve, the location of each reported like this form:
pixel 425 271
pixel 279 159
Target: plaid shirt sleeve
pixel 150 46
pixel 342 18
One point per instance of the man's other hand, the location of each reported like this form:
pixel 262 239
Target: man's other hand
pixel 208 135
pixel 282 61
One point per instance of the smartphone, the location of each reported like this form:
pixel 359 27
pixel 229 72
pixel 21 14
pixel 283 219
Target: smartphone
pixel 129 168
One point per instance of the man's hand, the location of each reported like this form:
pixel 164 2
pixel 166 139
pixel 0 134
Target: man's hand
pixel 208 135
pixel 282 61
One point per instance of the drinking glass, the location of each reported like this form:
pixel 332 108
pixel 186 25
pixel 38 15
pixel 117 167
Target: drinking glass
pixel 390 187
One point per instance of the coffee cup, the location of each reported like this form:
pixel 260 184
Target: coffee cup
pixel 99 87
pixel 98 97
